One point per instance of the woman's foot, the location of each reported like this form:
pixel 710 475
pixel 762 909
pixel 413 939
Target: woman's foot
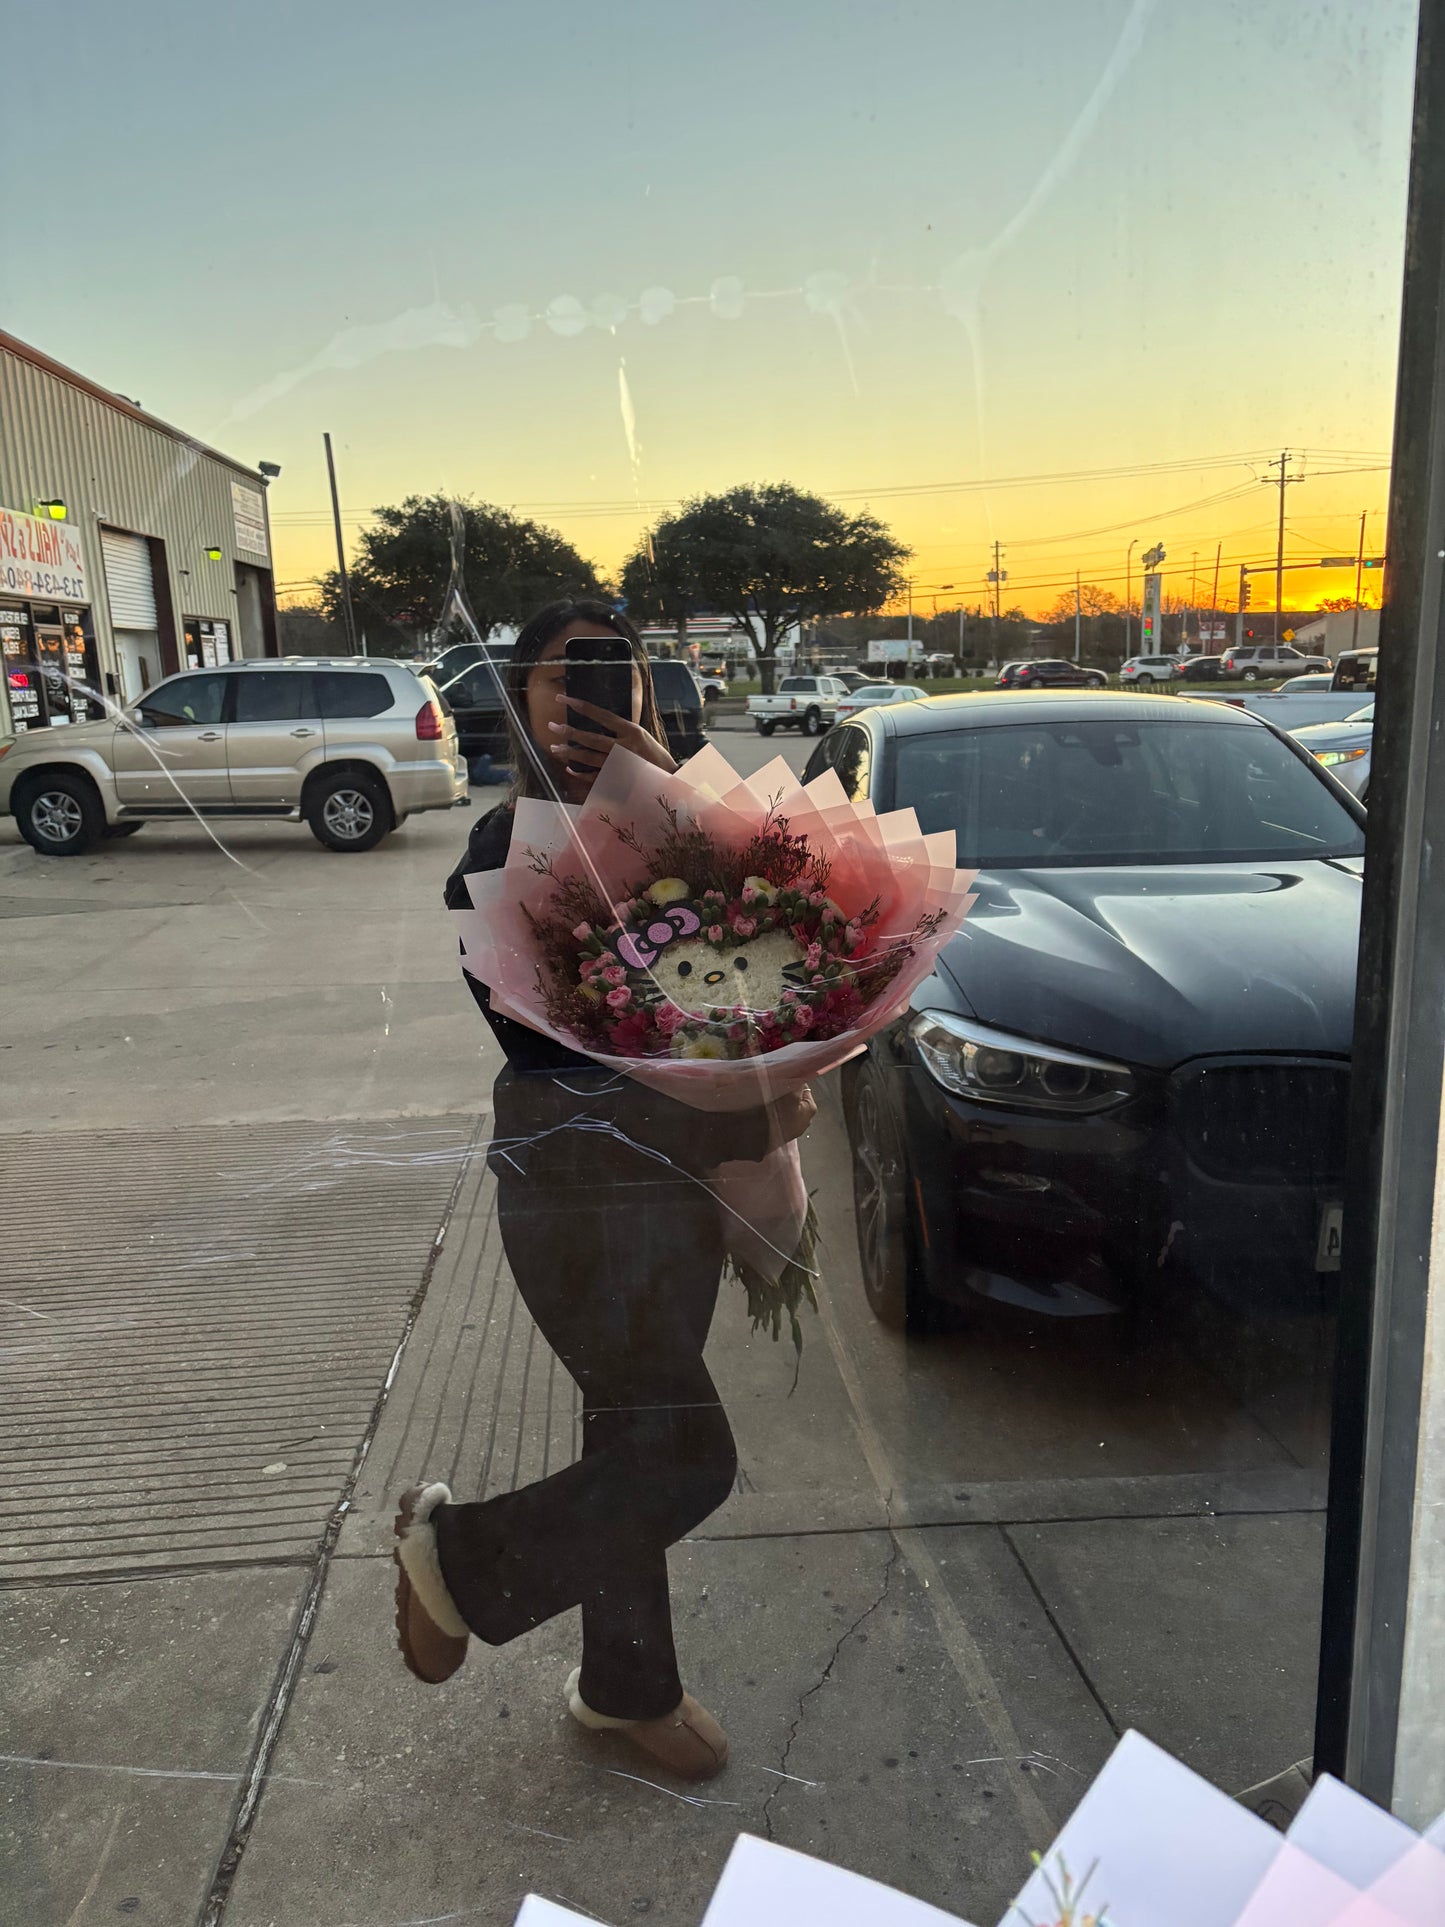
pixel 688 1741
pixel 430 1631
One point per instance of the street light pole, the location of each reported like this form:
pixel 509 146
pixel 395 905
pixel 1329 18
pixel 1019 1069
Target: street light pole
pixel 1078 615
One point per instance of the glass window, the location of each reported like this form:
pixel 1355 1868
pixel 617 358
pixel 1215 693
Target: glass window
pixel 1068 794
pixel 272 696
pixel 351 692
pixel 187 699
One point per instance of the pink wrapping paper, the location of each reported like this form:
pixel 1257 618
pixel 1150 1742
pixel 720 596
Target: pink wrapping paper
pixel 886 858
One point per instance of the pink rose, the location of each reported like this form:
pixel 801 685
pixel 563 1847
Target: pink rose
pixel 614 974
pixel 586 968
pixel 667 1017
pixel 803 1017
pixel 744 926
pixel 582 932
pixel 817 899
pixel 815 955
pixel 715 933
pixel 737 1032
pixel 620 998
pixel 750 895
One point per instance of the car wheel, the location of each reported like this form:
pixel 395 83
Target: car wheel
pixel 880 1205
pixel 1251 675
pixel 766 729
pixel 812 722
pixel 113 830
pixel 59 814
pixel 348 811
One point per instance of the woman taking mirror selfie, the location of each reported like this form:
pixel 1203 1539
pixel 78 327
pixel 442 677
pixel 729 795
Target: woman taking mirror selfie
pixel 617 1250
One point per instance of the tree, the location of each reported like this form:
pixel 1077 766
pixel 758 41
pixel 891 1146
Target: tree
pixel 768 554
pixel 1337 604
pixel 511 566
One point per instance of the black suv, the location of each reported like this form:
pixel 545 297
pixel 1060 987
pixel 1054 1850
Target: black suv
pixel 481 717
pixel 1050 673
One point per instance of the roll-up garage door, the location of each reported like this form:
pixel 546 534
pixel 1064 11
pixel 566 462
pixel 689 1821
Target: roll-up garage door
pixel 129 582
pixel 130 587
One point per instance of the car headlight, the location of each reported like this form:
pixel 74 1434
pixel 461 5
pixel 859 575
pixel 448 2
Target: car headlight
pixel 1329 757
pixel 995 1068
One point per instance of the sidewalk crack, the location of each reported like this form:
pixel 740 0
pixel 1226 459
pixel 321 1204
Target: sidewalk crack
pixel 895 1552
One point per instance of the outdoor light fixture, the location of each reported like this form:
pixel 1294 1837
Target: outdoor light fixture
pixel 213 554
pixel 55 510
pixel 271 469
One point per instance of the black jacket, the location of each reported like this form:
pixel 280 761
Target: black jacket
pixel 546 1086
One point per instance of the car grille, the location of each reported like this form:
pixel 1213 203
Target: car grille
pixel 1265 1123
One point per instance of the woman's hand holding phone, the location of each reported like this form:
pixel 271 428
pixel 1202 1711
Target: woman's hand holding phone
pixel 584 751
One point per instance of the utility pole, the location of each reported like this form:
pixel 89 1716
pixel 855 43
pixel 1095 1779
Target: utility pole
pixel 346 608
pixel 1128 592
pixel 1214 593
pixel 1359 566
pixel 1240 606
pixel 1281 483
pixel 910 608
pixel 1078 615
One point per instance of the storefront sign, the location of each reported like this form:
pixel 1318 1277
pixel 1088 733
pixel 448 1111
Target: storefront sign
pixel 41 559
pixel 248 511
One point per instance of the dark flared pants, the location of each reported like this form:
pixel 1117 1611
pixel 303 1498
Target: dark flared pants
pixel 618 1260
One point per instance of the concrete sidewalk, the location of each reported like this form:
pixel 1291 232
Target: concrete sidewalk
pixel 257 1288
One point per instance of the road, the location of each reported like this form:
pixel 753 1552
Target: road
pixel 255 1286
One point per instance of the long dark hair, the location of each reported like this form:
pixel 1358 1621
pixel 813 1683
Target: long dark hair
pixel 535 773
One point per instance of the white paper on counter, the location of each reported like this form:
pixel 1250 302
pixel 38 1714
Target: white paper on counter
pixel 764 1885
pixel 1168 1847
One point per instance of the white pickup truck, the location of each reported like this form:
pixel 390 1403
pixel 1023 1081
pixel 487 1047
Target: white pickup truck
pixel 1305 700
pixel 809 703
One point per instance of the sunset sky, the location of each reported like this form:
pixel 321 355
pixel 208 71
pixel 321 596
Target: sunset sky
pixel 903 254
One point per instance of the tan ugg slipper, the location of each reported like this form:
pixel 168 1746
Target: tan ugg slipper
pixel 688 1741
pixel 430 1632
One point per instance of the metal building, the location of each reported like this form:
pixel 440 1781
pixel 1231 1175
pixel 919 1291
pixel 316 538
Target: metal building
pixel 128 550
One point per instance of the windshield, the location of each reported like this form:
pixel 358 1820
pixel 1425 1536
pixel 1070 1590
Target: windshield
pixel 1045 795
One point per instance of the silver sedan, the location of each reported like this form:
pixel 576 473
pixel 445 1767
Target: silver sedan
pixel 1343 748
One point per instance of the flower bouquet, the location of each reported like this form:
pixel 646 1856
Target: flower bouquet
pixel 722 940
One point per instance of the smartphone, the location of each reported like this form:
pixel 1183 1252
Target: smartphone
pixel 599 671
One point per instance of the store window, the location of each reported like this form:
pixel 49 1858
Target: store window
pixel 520 1224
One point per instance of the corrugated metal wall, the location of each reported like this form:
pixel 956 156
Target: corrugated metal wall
pixel 57 440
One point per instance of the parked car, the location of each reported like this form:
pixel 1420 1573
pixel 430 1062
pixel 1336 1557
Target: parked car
pixel 852 679
pixel 1146 669
pixel 350 746
pixel 459 656
pixel 712 681
pixel 1198 668
pixel 1253 661
pixel 808 703
pixel 680 704
pixel 1131 1063
pixel 873 693
pixel 475 697
pixel 1314 684
pixel 1343 748
pixel 1294 709
pixel 1049 672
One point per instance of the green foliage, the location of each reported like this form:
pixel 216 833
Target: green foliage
pixel 770 553
pixel 403 565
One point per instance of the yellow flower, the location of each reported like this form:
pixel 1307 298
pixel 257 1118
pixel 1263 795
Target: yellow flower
pixel 592 996
pixel 668 890
pixel 761 888
pixel 709 1047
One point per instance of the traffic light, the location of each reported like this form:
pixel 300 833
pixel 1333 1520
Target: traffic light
pixel 1249 635
pixel 1244 593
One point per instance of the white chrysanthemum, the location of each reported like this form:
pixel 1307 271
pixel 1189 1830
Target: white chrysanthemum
pixel 668 890
pixel 705 1046
pixel 748 972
